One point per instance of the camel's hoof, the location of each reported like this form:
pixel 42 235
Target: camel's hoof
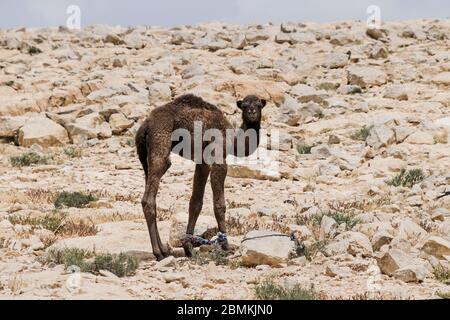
pixel 188 249
pixel 159 257
pixel 225 246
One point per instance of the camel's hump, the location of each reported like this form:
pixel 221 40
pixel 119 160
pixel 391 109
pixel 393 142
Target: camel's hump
pixel 193 101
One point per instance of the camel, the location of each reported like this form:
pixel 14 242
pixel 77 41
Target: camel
pixel 155 143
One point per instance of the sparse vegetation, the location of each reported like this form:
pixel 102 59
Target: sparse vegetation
pixel 441 137
pixel 40 195
pixel 444 295
pixel 304 148
pixel 130 143
pixel 34 50
pixel 28 159
pixel 407 178
pixel 73 199
pixel 349 218
pixel 269 290
pixel 311 251
pixel 361 134
pixel 220 257
pixel 52 221
pixel 68 257
pixel 121 265
pixel 73 152
pixel 58 223
pixel 442 274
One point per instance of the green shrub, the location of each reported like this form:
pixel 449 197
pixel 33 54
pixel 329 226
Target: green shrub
pixel 73 199
pixel 52 221
pixel 311 251
pixel 361 134
pixel 444 295
pixel 68 257
pixel 304 148
pixel 121 265
pixel 28 159
pixel 220 257
pixel 349 218
pixel 34 50
pixel 269 290
pixel 442 274
pixel 407 178
pixel 73 152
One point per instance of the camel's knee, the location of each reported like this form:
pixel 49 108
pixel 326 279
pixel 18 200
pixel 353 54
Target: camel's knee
pixel 148 206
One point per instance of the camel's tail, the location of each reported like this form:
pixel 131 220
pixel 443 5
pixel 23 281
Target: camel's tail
pixel 141 146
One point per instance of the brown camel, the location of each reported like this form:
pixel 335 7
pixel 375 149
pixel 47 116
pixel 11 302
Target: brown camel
pixel 155 142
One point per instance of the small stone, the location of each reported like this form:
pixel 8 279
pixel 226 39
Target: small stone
pixel 375 33
pixel 333 139
pixel 173 277
pixel 170 261
pixel 366 76
pixel 420 137
pixel 327 228
pixel 119 123
pixel 439 214
pixel 380 136
pixel 380 239
pixel 332 270
pixel 108 274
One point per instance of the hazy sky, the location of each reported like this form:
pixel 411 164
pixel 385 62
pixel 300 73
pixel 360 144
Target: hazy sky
pixel 32 13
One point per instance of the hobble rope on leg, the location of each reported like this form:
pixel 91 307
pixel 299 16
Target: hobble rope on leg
pixel 221 239
pixel 196 241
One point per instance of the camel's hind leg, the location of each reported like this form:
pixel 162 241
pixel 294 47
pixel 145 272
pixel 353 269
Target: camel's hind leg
pixel 196 203
pixel 158 163
pixel 218 175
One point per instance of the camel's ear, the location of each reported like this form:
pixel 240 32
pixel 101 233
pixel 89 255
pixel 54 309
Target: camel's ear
pixel 264 102
pixel 239 104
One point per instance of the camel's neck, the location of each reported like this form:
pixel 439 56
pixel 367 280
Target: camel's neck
pixel 247 139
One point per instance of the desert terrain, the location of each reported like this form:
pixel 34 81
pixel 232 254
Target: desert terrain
pixel 362 177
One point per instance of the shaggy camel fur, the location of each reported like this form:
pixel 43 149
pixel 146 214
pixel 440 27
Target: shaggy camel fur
pixel 154 142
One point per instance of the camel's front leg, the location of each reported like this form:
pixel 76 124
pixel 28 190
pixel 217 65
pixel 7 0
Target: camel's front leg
pixel 218 175
pixel 196 204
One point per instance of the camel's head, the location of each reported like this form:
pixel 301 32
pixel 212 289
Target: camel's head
pixel 251 108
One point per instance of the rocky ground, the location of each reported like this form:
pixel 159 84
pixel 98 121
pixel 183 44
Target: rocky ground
pixel 354 107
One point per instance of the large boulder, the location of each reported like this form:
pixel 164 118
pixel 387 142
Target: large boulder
pixel 442 79
pixel 393 260
pixel 354 243
pixel 266 248
pixel 380 136
pixel 403 266
pixel 437 246
pixel 42 131
pixel 9 126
